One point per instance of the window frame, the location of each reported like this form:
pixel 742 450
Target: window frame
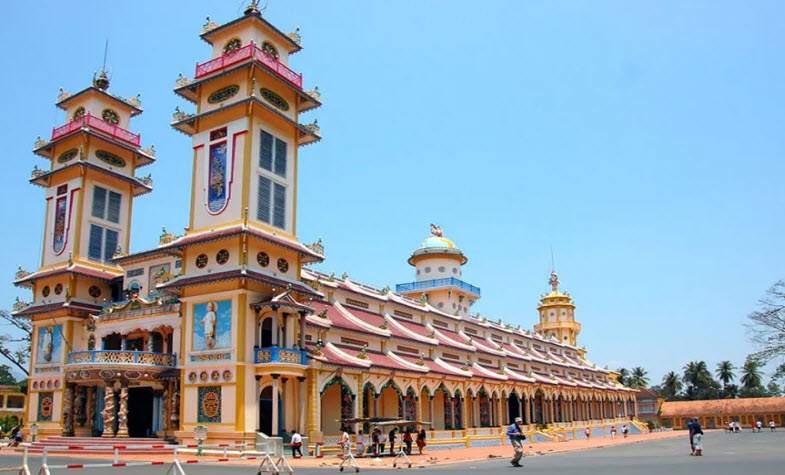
pixel 277 182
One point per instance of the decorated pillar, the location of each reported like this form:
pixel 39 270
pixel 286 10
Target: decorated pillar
pixel 122 413
pixel 109 411
pixel 430 409
pixel 527 403
pixel 175 405
pixel 90 408
pixel 68 410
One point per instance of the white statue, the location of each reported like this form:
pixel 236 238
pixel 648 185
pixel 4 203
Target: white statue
pixel 46 343
pixel 208 324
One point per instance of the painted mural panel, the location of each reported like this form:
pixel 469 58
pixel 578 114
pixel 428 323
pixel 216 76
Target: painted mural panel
pixel 59 228
pixel 50 344
pixel 209 404
pixel 217 177
pixel 212 325
pixel 45 406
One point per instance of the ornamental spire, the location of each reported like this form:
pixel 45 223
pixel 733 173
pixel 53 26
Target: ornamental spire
pixel 554 281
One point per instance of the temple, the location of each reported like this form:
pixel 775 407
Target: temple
pixel 228 327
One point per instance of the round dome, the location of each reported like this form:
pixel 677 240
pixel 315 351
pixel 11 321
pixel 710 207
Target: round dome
pixel 437 242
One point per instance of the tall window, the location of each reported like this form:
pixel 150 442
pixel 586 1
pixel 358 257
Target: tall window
pixel 272 186
pixel 106 204
pixel 103 240
pixel 103 243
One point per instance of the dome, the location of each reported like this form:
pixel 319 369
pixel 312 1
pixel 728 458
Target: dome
pixel 437 242
pixel 437 245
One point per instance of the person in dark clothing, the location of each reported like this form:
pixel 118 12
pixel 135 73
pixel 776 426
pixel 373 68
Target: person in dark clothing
pixel 697 438
pixel 391 436
pixel 690 425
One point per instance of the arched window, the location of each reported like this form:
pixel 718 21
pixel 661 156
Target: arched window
pixel 232 45
pixel 266 333
pixel 268 48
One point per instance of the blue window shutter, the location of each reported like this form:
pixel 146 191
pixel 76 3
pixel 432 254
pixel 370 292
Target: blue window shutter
pixel 99 202
pixel 263 208
pixel 280 158
pixel 279 207
pixel 94 246
pixel 111 244
pixel 266 151
pixel 113 210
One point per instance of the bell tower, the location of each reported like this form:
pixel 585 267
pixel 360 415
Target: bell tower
pixel 557 315
pixel 90 184
pixel 245 129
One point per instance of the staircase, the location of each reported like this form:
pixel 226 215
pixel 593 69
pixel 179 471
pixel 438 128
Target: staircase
pixel 79 445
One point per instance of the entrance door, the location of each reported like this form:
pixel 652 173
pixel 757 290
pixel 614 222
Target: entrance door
pixel 266 411
pixel 140 412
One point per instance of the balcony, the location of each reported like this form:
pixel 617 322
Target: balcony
pixel 276 354
pixel 250 51
pixel 100 125
pixel 121 358
pixel 437 283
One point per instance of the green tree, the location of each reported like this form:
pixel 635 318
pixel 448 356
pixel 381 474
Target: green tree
pixel 751 378
pixel 671 386
pixel 725 374
pixel 5 375
pixel 774 389
pixel 638 378
pixel 624 375
pixel 699 382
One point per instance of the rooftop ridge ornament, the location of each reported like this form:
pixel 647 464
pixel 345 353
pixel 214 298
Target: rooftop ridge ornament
pixel 436 230
pixel 208 25
pixel 316 246
pixel 554 281
pixel 39 142
pixel 166 237
pixel 62 95
pixel 101 81
pixel 295 36
pixel 253 8
pixel 315 93
pixel 21 273
pixel 182 81
pixel 313 127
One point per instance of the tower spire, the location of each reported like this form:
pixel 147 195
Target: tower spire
pixel 102 80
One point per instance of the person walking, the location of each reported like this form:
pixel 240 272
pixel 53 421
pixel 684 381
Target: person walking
pixel 382 442
pixel 697 438
pixel 587 432
pixel 516 436
pixel 625 430
pixel 421 440
pixel 690 426
pixel 407 440
pixel 346 443
pixel 759 425
pixel 613 432
pixel 297 444
pixel 772 425
pixel 392 436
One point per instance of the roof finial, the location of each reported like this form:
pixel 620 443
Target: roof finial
pixel 554 281
pixel 436 230
pixel 102 80
pixel 253 8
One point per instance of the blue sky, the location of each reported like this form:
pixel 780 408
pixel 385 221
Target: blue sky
pixel 642 142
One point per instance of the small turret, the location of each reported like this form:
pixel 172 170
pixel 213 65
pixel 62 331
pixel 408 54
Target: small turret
pixel 557 314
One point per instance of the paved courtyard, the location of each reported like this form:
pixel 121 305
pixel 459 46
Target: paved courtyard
pixel 746 453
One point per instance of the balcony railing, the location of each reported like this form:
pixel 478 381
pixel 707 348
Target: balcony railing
pixel 434 283
pixel 276 354
pixel 122 357
pixel 98 124
pixel 247 52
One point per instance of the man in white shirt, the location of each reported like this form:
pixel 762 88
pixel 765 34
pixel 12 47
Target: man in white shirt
pixel 297 443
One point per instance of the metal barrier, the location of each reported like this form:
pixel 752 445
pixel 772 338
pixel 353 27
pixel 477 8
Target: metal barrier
pixel 46 467
pixel 23 469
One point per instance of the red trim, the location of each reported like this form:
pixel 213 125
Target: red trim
pixel 68 223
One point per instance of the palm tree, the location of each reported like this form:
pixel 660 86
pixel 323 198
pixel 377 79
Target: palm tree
pixel 638 378
pixel 725 372
pixel 751 379
pixel 624 376
pixel 671 385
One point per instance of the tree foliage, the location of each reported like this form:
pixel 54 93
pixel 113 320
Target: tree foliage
pixel 752 379
pixel 767 324
pixel 15 346
pixel 638 378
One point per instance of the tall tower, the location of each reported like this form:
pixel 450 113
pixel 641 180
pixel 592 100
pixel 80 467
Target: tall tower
pixel 557 315
pixel 438 263
pixel 241 259
pixel 90 186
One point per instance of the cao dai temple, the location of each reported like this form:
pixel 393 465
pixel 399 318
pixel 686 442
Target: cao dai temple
pixel 226 326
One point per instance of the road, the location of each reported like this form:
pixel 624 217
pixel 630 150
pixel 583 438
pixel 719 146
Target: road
pixel 758 454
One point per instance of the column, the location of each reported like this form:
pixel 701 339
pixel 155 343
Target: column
pixel 90 408
pixel 452 412
pixel 358 407
pixel 528 403
pixel 302 330
pixel 68 410
pixel 109 411
pixel 312 424
pixel 430 408
pixel 302 404
pixel 521 409
pixel 418 408
pixel 635 406
pixel 275 405
pixel 122 414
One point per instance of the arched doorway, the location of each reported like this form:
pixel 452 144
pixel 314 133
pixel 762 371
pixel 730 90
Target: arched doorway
pixel 410 405
pixel 513 407
pixel 486 417
pixel 337 403
pixel 266 410
pixel 266 332
pixel 457 409
pixel 539 406
pixel 391 401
